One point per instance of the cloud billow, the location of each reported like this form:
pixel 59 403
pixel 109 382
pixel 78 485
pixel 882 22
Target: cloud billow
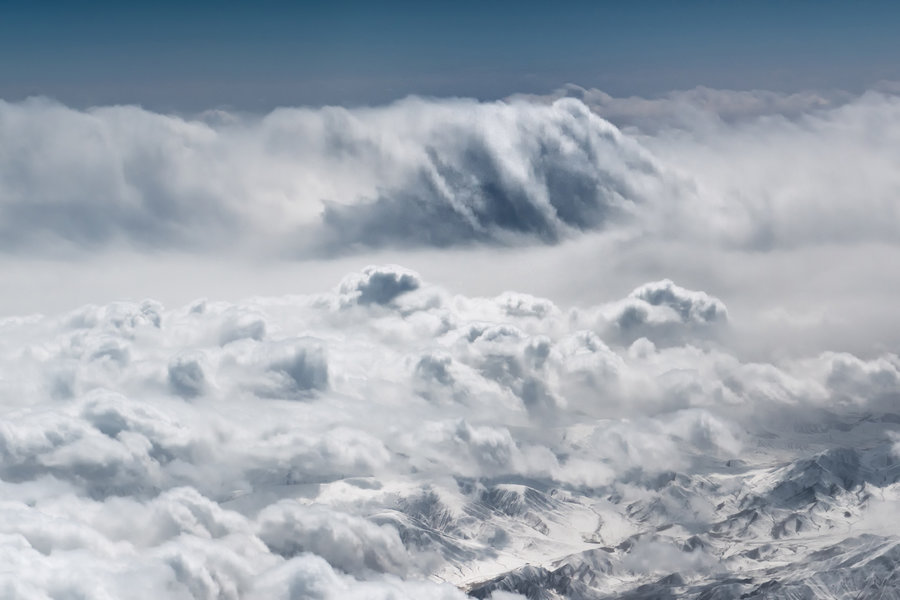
pixel 423 173
pixel 415 173
pixel 507 171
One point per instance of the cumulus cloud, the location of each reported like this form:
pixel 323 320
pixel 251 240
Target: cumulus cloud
pixel 388 431
pixel 379 285
pixel 186 375
pixel 349 543
pixel 666 313
pixel 294 366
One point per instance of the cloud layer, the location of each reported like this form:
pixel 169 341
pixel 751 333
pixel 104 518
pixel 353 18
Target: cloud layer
pixel 355 442
pixel 418 172
pixel 704 404
pixel 439 173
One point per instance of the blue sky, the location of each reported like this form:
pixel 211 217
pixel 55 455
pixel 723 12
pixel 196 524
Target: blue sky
pixel 259 55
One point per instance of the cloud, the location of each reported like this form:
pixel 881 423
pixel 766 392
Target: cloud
pixel 663 312
pixel 821 197
pixel 379 285
pixel 522 171
pixel 431 173
pixel 698 107
pixel 293 366
pixel 349 543
pixel 240 326
pixel 186 375
pixel 415 173
pixel 311 577
pixel 378 434
pixel 90 178
pixel 356 442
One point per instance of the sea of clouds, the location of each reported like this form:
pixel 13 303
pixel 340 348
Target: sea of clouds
pixel 739 169
pixel 693 271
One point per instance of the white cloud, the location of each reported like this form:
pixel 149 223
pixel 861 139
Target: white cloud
pixel 439 173
pixel 418 172
pixel 371 434
pixel 349 543
pixel 380 433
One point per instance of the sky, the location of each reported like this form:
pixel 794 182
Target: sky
pixel 255 56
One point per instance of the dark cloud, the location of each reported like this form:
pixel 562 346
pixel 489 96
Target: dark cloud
pixel 575 176
pixel 380 285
